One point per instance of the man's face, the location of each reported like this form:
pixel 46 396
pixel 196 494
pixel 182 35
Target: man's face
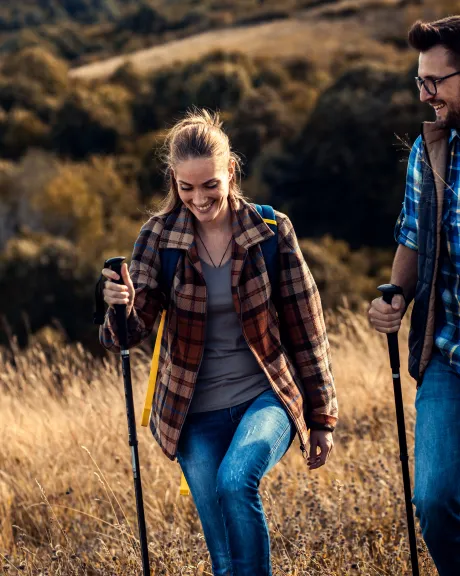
pixel 436 63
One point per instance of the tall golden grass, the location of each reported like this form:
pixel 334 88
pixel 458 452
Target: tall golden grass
pixel 67 502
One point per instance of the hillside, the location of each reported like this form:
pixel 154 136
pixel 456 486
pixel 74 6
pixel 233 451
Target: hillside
pixel 346 29
pixel 88 31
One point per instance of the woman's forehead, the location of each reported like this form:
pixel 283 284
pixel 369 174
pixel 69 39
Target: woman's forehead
pixel 199 169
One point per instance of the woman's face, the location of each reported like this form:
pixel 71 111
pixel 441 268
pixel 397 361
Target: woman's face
pixel 203 185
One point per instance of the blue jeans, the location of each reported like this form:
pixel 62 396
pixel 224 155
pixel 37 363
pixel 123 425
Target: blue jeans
pixel 437 464
pixel 224 454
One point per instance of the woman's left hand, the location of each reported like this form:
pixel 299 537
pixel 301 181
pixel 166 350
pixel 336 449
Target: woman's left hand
pixel 321 439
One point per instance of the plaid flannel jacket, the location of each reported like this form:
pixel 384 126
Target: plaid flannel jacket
pixel 302 378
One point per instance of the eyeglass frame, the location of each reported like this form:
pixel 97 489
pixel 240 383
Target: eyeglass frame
pixel 420 82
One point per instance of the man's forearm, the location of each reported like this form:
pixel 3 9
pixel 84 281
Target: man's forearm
pixel 404 271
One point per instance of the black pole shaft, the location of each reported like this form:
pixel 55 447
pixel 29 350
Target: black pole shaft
pixel 393 349
pixel 122 326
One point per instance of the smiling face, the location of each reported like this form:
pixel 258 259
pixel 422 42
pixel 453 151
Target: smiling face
pixel 203 185
pixel 436 63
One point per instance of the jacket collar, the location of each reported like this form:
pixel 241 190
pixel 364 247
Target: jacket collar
pixel 432 133
pixel 248 226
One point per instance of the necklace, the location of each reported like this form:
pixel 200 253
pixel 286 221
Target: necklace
pixel 204 245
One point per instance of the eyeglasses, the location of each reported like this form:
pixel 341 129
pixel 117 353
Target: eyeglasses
pixel 430 85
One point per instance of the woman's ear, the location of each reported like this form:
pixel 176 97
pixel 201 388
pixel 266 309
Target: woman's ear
pixel 231 169
pixel 172 177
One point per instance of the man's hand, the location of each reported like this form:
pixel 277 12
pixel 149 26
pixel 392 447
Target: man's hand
pixel 385 317
pixel 321 439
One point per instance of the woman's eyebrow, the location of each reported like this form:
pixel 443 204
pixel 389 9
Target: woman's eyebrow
pixel 207 182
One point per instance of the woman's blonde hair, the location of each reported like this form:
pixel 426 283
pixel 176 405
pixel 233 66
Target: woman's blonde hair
pixel 198 135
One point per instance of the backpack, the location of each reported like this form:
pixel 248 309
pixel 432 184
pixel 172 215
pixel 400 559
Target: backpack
pixel 169 259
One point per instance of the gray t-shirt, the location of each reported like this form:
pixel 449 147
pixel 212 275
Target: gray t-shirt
pixel 229 373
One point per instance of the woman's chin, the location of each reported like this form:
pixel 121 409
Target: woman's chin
pixel 204 217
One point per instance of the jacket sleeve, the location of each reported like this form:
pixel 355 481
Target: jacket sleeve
pixel 304 324
pixel 144 271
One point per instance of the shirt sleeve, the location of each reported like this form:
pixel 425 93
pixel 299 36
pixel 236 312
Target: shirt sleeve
pixel 406 231
pixel 144 271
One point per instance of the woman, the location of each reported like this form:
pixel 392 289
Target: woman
pixel 229 398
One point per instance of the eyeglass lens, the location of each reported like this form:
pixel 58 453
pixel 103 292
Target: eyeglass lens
pixel 429 85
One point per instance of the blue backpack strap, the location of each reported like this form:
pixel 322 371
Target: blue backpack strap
pixel 270 247
pixel 169 257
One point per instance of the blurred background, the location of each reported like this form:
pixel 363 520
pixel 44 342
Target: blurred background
pixel 318 96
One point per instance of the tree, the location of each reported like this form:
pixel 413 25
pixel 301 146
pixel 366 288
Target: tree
pixel 93 120
pixel 39 66
pixel 343 174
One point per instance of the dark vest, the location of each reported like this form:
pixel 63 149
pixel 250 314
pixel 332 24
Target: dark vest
pixel 434 167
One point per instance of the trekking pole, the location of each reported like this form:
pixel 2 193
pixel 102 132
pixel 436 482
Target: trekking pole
pixel 388 291
pixel 120 313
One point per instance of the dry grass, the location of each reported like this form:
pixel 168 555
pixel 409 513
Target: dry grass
pixel 66 492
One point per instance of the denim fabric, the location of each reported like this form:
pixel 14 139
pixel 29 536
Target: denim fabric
pixel 437 463
pixel 224 454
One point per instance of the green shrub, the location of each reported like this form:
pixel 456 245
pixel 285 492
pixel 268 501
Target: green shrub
pixel 261 118
pixel 22 129
pixel 93 120
pixel 130 78
pixel 69 208
pixel 150 179
pixel 25 38
pixel 42 276
pixel 221 86
pixel 21 92
pixel 144 20
pixel 40 66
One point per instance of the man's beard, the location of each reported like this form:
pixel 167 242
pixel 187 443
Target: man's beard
pixel 452 120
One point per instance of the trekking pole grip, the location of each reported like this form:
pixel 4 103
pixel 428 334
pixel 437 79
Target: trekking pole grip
pixel 120 309
pixel 388 291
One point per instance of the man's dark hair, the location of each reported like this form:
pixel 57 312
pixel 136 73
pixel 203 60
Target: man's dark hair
pixel 444 32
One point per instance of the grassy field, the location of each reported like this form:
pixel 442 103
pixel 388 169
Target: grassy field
pixel 66 491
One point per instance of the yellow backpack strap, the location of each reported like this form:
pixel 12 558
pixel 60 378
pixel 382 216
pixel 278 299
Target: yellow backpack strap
pixel 184 489
pixel 153 372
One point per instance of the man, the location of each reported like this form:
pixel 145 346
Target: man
pixel 427 268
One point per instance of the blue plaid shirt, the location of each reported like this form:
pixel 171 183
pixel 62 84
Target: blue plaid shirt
pixel 447 331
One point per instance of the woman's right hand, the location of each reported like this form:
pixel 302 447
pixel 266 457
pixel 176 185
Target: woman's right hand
pixel 119 293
